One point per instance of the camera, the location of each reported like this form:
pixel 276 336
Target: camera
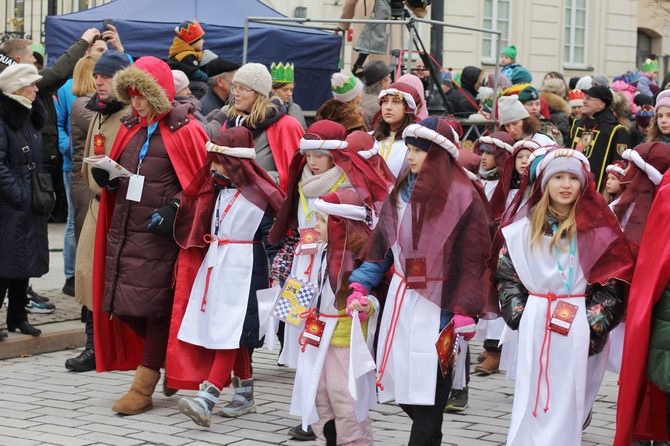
pixel 397 9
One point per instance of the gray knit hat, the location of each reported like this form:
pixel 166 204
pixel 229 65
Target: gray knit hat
pixel 255 76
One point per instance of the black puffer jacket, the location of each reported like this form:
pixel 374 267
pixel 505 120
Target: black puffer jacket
pixel 463 99
pixel 24 244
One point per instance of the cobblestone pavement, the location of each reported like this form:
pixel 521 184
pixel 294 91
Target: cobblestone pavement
pixel 41 403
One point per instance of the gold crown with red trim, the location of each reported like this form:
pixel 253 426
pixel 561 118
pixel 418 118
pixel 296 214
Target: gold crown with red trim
pixel 189 31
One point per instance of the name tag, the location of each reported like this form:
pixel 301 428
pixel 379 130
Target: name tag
pixel 561 319
pixel 415 273
pixel 135 187
pixel 313 331
pixel 308 241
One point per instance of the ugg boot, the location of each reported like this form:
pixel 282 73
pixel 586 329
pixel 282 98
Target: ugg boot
pixel 138 399
pixel 490 364
pixel 199 409
pixel 482 357
pixel 243 400
pixel 168 391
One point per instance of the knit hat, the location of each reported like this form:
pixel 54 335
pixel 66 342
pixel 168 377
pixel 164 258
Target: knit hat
pixel 414 81
pixel 576 98
pixel 345 86
pixel 662 100
pixel 555 86
pixel 550 162
pixel 601 80
pixel 220 65
pixel 643 115
pixel 16 77
pixel 584 83
pixel 528 94
pixel 602 93
pixel 190 31
pixel 375 71
pixel 180 80
pixel 573 83
pixel 255 76
pixel 510 52
pixel 642 99
pixel 110 62
pixel 323 136
pixel 510 109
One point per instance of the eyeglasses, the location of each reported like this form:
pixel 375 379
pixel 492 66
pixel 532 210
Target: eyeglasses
pixel 234 89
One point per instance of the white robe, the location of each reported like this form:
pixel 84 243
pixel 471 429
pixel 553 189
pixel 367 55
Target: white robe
pixel 568 369
pixel 220 326
pixel 411 372
pixel 489 186
pixel 398 155
pixel 310 362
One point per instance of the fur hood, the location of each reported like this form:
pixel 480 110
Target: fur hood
pixel 556 103
pixel 16 114
pixel 152 78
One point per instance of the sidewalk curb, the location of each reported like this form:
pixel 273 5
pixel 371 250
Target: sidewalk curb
pixel 55 337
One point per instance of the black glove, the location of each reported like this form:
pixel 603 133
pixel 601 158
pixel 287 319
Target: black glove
pixel 101 177
pixel 162 220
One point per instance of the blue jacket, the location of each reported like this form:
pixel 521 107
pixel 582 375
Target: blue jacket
pixel 63 102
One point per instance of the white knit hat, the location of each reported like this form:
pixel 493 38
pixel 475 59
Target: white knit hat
pixel 510 109
pixel 345 86
pixel 255 76
pixel 16 77
pixel 180 80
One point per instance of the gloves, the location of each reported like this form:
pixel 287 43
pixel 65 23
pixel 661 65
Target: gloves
pixel 358 292
pixel 101 177
pixel 162 220
pixel 465 326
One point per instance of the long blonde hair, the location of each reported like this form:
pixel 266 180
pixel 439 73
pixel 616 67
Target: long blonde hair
pixel 83 81
pixel 567 224
pixel 259 110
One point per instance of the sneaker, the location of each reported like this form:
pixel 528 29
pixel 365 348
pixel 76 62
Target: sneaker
pixel 68 288
pixel 45 308
pixel 32 295
pixel 458 400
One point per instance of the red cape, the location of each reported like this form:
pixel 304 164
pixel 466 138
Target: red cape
pixel 119 347
pixel 641 405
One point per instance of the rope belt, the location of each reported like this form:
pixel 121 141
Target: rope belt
pixel 546 340
pixel 209 240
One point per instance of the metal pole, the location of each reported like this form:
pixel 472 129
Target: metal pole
pixel 245 42
pixel 437 32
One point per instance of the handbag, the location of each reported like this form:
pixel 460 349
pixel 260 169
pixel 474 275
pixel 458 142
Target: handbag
pixel 43 194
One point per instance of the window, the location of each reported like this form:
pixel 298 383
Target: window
pixel 575 34
pixel 497 15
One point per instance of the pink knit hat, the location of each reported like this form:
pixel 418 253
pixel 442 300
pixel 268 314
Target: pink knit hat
pixel 662 100
pixel 415 82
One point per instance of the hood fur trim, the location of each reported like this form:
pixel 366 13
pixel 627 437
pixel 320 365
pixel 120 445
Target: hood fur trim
pixel 16 115
pixel 556 103
pixel 134 77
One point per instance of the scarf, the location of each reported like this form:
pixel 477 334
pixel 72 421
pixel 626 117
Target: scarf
pixel 104 108
pixel 273 115
pixel 407 191
pixel 27 103
pixel 491 174
pixel 314 186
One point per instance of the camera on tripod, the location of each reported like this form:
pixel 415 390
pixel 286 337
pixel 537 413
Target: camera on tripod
pixel 397 9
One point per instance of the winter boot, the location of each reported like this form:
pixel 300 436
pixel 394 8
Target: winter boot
pixel 490 364
pixel 243 400
pixel 168 391
pixel 138 399
pixel 199 409
pixel 482 357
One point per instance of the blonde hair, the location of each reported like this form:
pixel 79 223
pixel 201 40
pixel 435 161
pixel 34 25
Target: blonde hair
pixel 567 224
pixel 83 81
pixel 13 46
pixel 621 109
pixel 259 110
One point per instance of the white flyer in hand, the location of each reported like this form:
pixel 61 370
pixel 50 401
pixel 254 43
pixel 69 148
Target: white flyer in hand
pixel 106 163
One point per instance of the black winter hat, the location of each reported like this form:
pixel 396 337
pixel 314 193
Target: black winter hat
pixel 221 65
pixel 602 93
pixel 110 62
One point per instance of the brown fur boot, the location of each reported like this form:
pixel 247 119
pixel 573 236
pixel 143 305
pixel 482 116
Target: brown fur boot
pixel 490 364
pixel 138 399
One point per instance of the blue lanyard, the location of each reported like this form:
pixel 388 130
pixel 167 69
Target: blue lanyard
pixel 145 146
pixel 573 246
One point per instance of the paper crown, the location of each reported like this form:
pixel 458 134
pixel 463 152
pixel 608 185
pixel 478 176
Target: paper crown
pixel 282 73
pixel 630 78
pixel 649 66
pixel 189 31
pixel 576 95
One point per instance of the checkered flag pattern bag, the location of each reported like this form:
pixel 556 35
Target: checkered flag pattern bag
pixel 294 299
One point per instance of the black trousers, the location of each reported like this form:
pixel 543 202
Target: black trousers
pixel 667 412
pixel 491 345
pixel 18 299
pixel 89 328
pixel 427 420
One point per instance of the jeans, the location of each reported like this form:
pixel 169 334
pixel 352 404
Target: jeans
pixel 69 243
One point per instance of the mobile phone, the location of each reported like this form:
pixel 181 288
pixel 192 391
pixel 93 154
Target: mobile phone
pixel 106 23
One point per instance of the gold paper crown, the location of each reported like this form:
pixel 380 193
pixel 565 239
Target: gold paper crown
pixel 282 73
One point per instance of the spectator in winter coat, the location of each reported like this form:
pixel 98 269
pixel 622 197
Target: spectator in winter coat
pixel 464 102
pixel 376 77
pixel 220 74
pixel 554 91
pixel 648 76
